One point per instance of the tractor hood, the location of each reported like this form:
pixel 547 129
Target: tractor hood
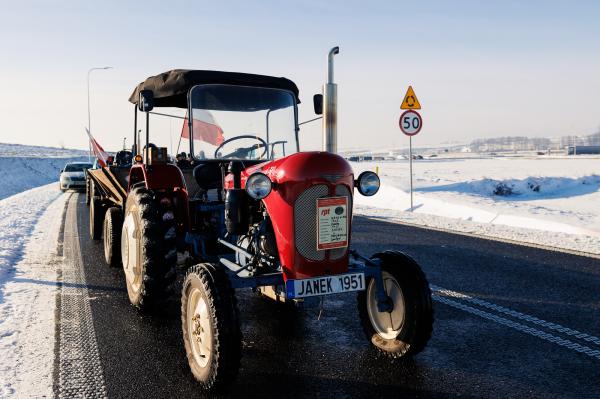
pixel 303 167
pixel 298 181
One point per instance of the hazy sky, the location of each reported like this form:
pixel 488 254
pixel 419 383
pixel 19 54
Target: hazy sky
pixel 479 69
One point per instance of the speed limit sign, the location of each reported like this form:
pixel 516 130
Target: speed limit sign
pixel 410 122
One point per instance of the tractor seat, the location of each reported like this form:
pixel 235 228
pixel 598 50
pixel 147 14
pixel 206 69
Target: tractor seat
pixel 123 158
pixel 208 176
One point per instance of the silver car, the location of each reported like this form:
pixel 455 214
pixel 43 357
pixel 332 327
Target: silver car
pixel 73 175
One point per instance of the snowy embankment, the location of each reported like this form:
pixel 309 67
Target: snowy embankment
pixel 30 220
pixel 552 202
pixel 24 166
pixel 18 174
pixel 29 229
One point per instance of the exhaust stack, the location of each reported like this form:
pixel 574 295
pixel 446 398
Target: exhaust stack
pixel 330 107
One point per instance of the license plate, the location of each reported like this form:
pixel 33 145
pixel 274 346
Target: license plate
pixel 332 223
pixel 325 285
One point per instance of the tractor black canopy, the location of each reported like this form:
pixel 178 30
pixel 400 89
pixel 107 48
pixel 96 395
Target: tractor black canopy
pixel 170 88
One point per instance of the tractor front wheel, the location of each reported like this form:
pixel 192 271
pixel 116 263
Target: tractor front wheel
pixel 406 328
pixel 148 249
pixel 210 326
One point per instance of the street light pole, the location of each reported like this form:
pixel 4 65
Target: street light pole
pixel 88 101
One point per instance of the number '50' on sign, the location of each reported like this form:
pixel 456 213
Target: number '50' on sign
pixel 410 122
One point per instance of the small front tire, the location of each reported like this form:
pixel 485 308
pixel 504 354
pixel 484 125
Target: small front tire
pixel 406 329
pixel 210 326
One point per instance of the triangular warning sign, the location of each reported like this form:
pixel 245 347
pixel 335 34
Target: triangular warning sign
pixel 410 100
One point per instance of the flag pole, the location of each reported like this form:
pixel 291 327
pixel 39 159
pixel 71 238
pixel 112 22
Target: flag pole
pixel 178 144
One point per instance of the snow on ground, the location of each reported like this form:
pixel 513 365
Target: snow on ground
pixel 29 228
pixel 549 201
pixel 21 150
pixel 18 174
pixel 23 167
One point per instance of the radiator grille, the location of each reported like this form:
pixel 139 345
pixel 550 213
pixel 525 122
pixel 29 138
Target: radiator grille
pixel 305 222
pixel 342 191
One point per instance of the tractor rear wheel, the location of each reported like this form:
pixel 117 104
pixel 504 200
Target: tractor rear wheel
pixel 112 236
pixel 211 327
pixel 406 329
pixel 96 218
pixel 148 249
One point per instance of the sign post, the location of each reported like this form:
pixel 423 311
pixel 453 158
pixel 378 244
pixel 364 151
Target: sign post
pixel 411 174
pixel 410 124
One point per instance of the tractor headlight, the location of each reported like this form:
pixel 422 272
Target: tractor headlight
pixel 258 186
pixel 368 183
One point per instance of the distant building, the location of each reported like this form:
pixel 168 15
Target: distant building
pixel 583 149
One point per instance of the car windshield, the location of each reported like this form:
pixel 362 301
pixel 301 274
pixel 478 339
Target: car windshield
pixel 77 167
pixel 241 122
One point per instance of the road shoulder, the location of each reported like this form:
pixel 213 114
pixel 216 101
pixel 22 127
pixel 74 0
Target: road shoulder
pixel 28 295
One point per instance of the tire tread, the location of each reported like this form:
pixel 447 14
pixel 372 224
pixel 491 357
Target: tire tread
pixel 227 338
pixel 112 232
pixel 404 268
pixel 157 270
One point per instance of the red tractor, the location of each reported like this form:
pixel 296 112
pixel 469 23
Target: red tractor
pixel 252 211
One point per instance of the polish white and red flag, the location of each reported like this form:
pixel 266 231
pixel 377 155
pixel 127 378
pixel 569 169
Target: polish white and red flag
pixel 98 150
pixel 205 128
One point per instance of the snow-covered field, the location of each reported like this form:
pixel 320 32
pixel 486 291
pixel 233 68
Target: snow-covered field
pixel 24 167
pixel 549 201
pixel 31 207
pixel 20 150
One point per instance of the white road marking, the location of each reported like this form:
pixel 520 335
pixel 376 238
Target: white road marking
pixel 515 314
pixel 441 295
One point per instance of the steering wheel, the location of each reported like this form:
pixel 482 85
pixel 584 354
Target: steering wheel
pixel 244 136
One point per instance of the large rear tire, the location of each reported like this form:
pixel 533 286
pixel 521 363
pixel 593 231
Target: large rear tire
pixel 113 220
pixel 406 329
pixel 96 218
pixel 148 249
pixel 210 326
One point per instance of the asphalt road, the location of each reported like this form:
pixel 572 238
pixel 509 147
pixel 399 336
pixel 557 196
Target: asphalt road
pixel 510 321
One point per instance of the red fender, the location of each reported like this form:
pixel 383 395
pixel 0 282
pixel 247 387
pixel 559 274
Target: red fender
pixel 165 178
